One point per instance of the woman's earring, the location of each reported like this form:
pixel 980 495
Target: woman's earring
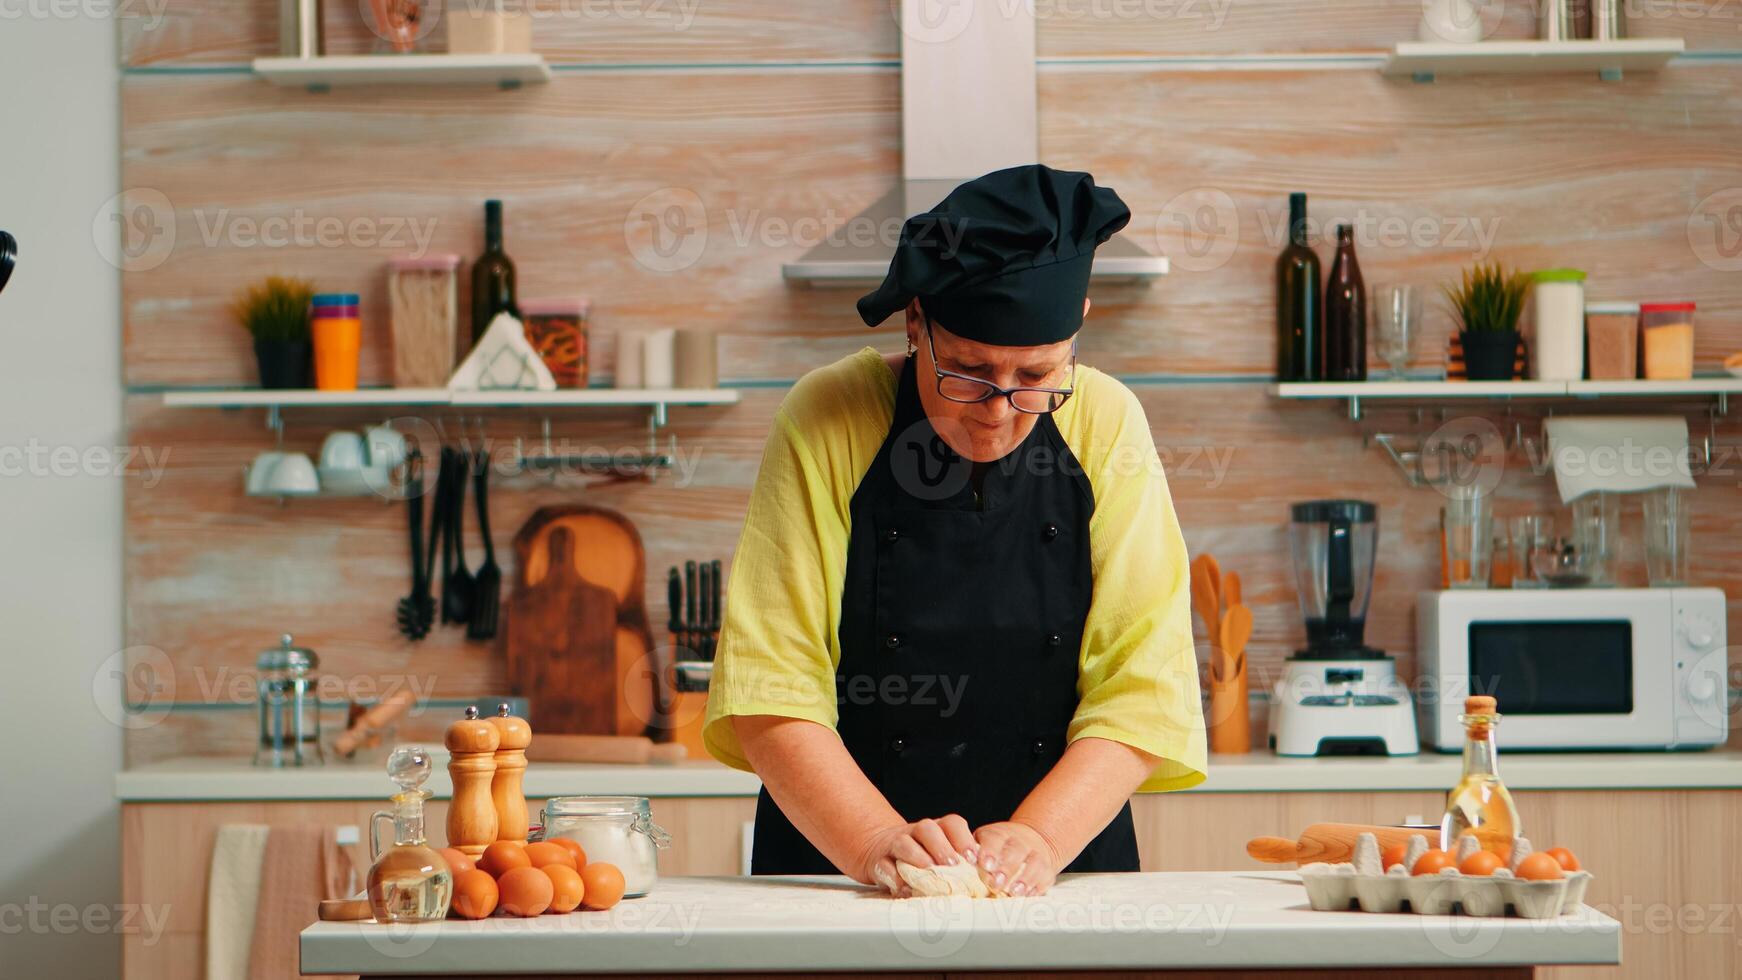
pixel 911 350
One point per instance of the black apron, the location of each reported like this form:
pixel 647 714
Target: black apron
pixel 961 620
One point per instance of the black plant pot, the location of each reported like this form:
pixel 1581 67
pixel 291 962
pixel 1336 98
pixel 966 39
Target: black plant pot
pixel 283 363
pixel 1489 355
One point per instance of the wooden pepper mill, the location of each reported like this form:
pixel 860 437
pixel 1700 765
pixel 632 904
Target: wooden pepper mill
pixel 507 787
pixel 472 743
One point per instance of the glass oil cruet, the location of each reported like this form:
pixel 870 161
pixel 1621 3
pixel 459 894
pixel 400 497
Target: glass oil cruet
pixel 1480 805
pixel 409 881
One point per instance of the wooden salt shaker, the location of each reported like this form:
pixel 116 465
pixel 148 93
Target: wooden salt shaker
pixel 507 788
pixel 472 744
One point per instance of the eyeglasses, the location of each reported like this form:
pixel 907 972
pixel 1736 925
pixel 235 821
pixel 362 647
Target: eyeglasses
pixel 1026 399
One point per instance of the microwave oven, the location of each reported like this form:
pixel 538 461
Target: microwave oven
pixel 1575 668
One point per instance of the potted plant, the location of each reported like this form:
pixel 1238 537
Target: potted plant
pixel 275 313
pixel 1487 305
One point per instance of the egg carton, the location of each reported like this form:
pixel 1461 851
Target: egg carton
pixel 1361 885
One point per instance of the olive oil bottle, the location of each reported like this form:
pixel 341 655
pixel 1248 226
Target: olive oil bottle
pixel 1479 805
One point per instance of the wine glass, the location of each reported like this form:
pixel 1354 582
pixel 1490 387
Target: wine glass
pixel 1396 321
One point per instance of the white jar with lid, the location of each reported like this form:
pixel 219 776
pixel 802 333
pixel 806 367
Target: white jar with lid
pixel 617 830
pixel 1558 351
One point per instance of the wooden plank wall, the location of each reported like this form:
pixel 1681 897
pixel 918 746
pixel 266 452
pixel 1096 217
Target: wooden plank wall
pixel 771 119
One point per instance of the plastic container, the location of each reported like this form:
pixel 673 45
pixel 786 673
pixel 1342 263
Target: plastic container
pixel 1612 341
pixel 423 307
pixel 1558 301
pixel 1666 340
pixel 557 329
pixel 338 341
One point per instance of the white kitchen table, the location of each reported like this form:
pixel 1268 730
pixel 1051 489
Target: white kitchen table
pixel 1159 923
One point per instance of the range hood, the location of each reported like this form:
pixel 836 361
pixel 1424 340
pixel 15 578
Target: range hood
pixel 968 108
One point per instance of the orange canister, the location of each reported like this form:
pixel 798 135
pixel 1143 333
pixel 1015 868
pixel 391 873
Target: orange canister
pixel 337 332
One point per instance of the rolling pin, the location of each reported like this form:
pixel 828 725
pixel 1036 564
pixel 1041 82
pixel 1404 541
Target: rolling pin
pixel 624 749
pixel 1332 842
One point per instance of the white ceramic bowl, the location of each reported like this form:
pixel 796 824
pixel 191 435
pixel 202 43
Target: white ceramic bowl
pixel 344 450
pixel 294 474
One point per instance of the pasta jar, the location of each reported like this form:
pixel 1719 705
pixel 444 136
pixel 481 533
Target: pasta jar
pixel 423 299
pixel 1559 301
pixel 618 830
pixel 1666 340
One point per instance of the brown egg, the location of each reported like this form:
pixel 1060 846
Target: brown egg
pixel 546 852
pixel 503 856
pixel 1481 863
pixel 1393 855
pixel 475 894
pixel 525 891
pixel 574 847
pixel 567 887
pixel 457 861
pixel 1565 858
pixel 604 885
pixel 1539 867
pixel 1433 862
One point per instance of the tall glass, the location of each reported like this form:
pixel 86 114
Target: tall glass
pixel 1667 533
pixel 1528 533
pixel 1469 522
pixel 1396 322
pixel 1596 532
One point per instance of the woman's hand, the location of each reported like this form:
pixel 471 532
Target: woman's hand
pixel 922 844
pixel 1016 858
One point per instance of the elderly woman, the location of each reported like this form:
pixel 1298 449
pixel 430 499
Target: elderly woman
pixel 958 623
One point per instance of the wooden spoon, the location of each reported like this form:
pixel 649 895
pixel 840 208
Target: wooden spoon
pixel 1230 590
pixel 1204 596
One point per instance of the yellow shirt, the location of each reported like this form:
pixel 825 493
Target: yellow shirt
pixel 779 644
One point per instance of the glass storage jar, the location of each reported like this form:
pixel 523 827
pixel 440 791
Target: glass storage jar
pixel 617 830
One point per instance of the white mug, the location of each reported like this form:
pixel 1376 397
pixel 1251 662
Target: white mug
pixel 343 450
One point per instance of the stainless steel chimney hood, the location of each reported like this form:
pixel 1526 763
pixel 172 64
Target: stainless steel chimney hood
pixel 967 108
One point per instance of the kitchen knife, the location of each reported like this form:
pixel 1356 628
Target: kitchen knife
pixel 689 605
pixel 714 625
pixel 701 610
pixel 674 604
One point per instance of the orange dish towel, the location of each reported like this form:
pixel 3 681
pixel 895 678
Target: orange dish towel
pixel 302 866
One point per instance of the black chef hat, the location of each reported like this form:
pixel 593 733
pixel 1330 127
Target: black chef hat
pixel 1004 259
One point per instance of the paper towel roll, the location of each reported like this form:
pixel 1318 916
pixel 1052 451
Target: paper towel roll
pixel 629 359
pixel 698 359
pixel 657 367
pixel 1618 454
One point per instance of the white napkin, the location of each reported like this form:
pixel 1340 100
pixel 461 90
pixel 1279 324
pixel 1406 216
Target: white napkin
pixel 232 898
pixel 503 360
pixel 1618 454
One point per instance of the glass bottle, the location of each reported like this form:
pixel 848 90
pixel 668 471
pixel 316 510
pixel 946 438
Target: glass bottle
pixel 1299 348
pixel 1345 330
pixel 493 289
pixel 409 881
pixel 1480 805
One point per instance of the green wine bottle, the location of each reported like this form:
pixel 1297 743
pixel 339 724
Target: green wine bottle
pixel 1299 346
pixel 492 275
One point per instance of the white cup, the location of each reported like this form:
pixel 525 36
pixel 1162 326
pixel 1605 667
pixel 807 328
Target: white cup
pixel 386 446
pixel 260 472
pixel 294 474
pixel 343 450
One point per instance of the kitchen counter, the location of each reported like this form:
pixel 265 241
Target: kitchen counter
pixel 217 779
pixel 1155 921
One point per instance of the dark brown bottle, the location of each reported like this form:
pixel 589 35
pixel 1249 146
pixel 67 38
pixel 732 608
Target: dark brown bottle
pixel 492 275
pixel 1345 314
pixel 1298 347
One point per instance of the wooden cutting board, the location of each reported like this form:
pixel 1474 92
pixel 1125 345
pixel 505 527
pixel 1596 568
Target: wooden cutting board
pixel 576 634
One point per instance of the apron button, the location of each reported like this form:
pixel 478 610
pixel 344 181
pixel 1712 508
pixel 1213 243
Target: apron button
pixel 897 745
pixel 892 641
pixel 1053 639
pixel 1051 531
pixel 1039 747
pixel 892 535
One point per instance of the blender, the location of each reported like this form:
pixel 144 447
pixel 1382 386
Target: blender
pixel 1338 696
